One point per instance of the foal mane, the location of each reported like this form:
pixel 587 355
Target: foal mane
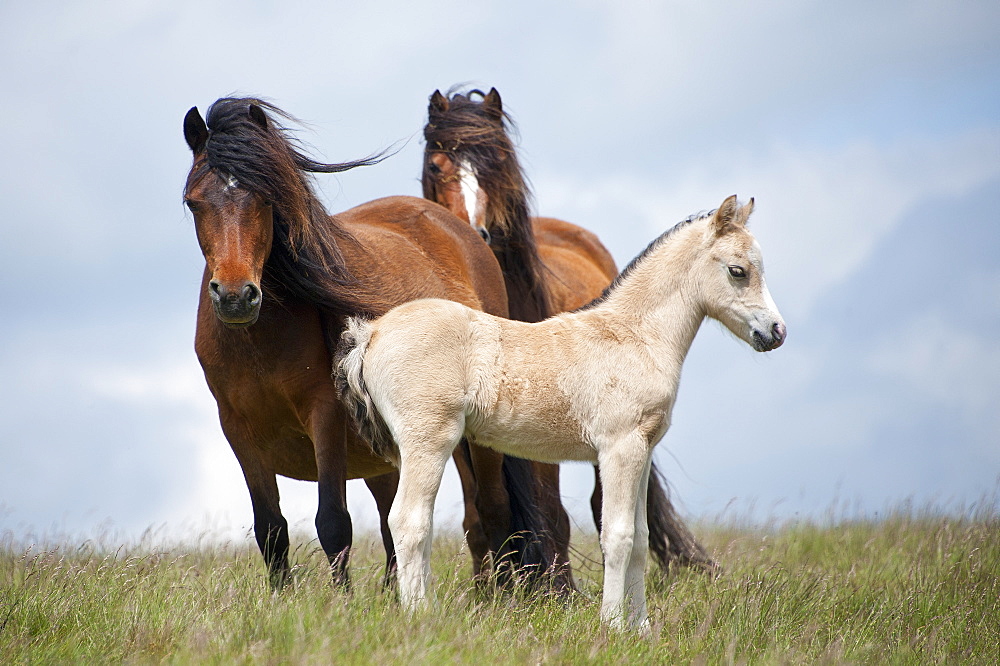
pixel 480 132
pixel 654 245
pixel 248 141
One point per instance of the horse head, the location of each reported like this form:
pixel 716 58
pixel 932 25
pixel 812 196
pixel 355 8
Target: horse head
pixel 256 213
pixel 732 279
pixel 469 163
pixel 234 227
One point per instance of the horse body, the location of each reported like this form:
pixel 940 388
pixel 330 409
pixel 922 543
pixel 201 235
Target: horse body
pixel 578 265
pixel 280 276
pixel 550 266
pixel 598 384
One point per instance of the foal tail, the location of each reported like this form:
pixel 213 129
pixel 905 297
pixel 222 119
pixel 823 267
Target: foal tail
pixel 349 377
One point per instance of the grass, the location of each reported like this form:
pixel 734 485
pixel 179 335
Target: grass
pixel 911 587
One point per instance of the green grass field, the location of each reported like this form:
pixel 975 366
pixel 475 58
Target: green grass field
pixel 912 587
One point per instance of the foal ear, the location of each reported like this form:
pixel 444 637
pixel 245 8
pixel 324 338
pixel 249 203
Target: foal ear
pixel 744 213
pixel 725 216
pixel 195 130
pixel 258 116
pixel 438 103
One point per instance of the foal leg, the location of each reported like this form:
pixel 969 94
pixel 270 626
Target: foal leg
pixel 412 516
pixel 623 466
pixel 383 489
pixel 635 575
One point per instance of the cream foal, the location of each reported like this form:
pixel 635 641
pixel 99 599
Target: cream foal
pixel 596 385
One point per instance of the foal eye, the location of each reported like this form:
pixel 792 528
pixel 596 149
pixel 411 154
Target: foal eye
pixel 737 272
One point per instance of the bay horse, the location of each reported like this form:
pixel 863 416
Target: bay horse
pixel 280 276
pixel 550 266
pixel 597 384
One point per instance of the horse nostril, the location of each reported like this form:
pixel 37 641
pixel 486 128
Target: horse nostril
pixel 778 331
pixel 215 290
pixel 251 293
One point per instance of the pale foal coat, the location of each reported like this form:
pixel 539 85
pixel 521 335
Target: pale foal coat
pixel 596 385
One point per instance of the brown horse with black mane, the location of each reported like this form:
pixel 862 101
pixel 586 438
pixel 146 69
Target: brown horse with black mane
pixel 280 277
pixel 550 266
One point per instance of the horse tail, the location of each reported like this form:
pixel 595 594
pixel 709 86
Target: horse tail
pixel 531 548
pixel 349 377
pixel 669 538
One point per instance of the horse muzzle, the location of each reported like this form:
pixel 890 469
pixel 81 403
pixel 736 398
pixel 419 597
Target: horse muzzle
pixel 766 341
pixel 235 305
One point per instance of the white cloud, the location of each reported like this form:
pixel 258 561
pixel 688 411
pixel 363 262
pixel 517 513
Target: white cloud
pixel 819 211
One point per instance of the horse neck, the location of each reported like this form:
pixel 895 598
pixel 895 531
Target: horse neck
pixel 527 295
pixel 316 272
pixel 657 301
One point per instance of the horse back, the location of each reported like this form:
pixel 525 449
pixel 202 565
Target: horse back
pixel 407 248
pixel 580 266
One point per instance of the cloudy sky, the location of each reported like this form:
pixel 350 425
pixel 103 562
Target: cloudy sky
pixel 869 134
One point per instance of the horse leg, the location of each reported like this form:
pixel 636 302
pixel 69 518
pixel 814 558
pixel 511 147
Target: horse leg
pixel 475 537
pixel 411 518
pixel 623 466
pixel 383 489
pixel 595 499
pixel 269 527
pixel 333 522
pixel 492 502
pixel 550 503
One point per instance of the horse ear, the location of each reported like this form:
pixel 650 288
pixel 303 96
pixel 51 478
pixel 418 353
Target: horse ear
pixel 725 216
pixel 744 214
pixel 492 103
pixel 258 116
pixel 195 130
pixel 438 104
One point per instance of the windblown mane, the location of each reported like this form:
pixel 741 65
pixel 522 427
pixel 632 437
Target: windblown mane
pixel 264 158
pixel 652 247
pixel 478 132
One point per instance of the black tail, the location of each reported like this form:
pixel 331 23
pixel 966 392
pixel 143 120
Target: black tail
pixel 669 538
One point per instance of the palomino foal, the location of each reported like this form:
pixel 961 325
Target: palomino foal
pixel 597 384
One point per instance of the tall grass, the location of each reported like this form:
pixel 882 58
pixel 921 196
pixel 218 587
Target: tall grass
pixel 910 587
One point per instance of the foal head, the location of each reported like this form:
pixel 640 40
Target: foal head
pixel 470 166
pixel 731 275
pixel 255 212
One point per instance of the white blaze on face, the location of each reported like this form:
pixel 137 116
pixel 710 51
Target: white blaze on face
pixel 769 303
pixel 471 194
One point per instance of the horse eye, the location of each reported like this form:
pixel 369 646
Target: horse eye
pixel 737 272
pixel 433 168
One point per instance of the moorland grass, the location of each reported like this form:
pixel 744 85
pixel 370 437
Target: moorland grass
pixel 909 587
